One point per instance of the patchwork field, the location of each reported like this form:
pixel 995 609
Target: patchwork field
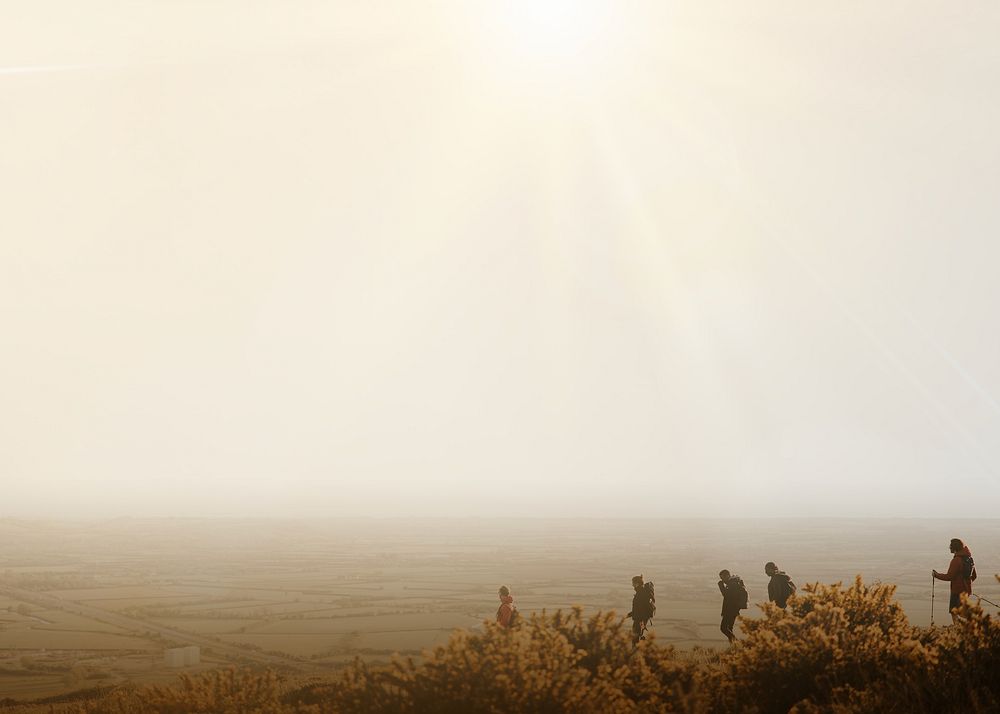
pixel 93 603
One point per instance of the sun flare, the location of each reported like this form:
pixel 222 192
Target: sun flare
pixel 557 40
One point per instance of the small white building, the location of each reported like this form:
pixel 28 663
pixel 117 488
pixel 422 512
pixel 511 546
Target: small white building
pixel 182 656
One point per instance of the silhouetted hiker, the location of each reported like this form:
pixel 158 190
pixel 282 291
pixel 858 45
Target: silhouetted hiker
pixel 780 587
pixel 961 573
pixel 506 613
pixel 643 608
pixel 734 598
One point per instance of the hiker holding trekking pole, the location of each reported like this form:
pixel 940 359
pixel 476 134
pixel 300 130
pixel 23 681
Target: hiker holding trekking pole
pixel 961 573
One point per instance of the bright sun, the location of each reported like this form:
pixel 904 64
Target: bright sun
pixel 562 40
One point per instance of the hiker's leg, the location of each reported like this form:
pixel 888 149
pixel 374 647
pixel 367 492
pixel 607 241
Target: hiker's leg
pixel 727 627
pixel 636 631
pixel 953 603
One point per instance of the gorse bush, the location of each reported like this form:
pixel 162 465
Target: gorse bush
pixel 223 692
pixel 966 665
pixel 834 649
pixel 560 662
pixel 829 643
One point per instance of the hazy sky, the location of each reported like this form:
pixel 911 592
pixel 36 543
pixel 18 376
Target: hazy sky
pixel 574 258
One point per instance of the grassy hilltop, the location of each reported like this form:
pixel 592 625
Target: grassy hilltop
pixel 835 649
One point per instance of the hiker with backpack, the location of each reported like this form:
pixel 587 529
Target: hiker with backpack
pixel 506 613
pixel 780 587
pixel 643 608
pixel 961 573
pixel 734 598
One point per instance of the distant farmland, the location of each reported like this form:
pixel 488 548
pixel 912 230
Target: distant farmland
pixel 92 603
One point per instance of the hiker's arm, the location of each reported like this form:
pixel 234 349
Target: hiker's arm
pixel 722 588
pixel 953 570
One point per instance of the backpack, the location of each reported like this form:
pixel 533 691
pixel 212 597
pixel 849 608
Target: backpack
pixel 648 587
pixel 788 586
pixel 968 567
pixel 742 595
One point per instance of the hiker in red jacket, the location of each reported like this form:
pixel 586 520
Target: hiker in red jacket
pixel 505 613
pixel 961 573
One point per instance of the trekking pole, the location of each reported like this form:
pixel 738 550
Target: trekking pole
pixel 932 599
pixel 986 600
